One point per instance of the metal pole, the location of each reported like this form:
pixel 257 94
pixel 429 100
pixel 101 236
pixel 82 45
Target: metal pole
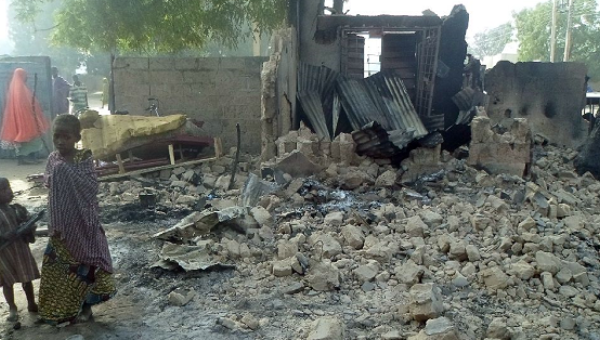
pixel 569 38
pixel 553 31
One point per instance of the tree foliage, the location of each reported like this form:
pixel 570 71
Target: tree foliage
pixel 33 37
pixel 157 25
pixel 492 41
pixel 534 27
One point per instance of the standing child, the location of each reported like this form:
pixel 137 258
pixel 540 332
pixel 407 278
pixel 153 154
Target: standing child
pixel 16 262
pixel 76 272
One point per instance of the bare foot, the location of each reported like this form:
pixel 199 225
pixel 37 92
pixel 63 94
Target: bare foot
pixel 32 308
pixel 12 315
pixel 85 314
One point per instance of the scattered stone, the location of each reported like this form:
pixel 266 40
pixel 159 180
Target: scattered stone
pixel 409 273
pixel 437 329
pixel 366 273
pixel 327 328
pixel 498 330
pixel 262 216
pixel 181 297
pixel 323 276
pixel 251 322
pixel 335 218
pixel 547 262
pixel 425 302
pixel 353 236
pixel 416 227
pixel 495 278
pixel 387 179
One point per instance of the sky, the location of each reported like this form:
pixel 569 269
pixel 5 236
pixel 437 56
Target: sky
pixel 483 14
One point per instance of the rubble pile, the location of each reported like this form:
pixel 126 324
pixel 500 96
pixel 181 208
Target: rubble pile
pixel 358 251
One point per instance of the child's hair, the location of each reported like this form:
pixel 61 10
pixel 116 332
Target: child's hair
pixel 69 121
pixel 4 180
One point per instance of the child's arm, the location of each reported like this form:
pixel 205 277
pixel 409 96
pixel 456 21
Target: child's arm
pixel 23 216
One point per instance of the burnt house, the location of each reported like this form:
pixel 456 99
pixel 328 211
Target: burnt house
pixel 324 77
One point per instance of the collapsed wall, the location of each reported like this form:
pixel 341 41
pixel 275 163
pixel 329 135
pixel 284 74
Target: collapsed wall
pixel 550 95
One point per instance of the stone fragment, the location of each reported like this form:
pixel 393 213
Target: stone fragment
pixel 458 250
pixel 353 236
pixel 327 328
pixel 495 278
pixel 527 224
pixel 547 280
pixel 498 330
pixel 568 291
pixel 282 268
pixel 297 165
pixel 547 262
pixel 416 227
pixel 329 246
pixel 352 180
pixel 387 179
pixel 323 276
pixel 335 218
pixel 431 218
pixel 437 329
pixel 409 273
pixel 181 297
pixel 367 272
pixel 379 253
pixel 522 270
pixel 250 321
pixel 425 302
pixel 564 275
pixel 473 253
pixel 262 216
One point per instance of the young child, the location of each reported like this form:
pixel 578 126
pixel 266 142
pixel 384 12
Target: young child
pixel 16 262
pixel 77 268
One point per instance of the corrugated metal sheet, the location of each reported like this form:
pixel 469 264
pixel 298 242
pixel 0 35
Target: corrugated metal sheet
pixel 393 100
pixel 374 141
pixel 316 90
pixel 358 104
pixel 382 98
pixel 313 108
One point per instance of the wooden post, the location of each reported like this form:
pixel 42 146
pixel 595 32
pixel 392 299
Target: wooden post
pixel 553 31
pixel 569 35
pixel 218 147
pixel 120 164
pixel 172 154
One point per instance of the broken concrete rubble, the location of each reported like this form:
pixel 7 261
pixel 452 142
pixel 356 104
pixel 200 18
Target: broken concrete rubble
pixel 489 242
pixel 508 152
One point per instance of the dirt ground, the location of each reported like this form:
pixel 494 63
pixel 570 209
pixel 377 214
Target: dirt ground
pixel 140 310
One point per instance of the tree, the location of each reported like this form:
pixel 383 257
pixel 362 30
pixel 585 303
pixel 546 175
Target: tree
pixel 33 37
pixel 492 41
pixel 533 34
pixel 156 25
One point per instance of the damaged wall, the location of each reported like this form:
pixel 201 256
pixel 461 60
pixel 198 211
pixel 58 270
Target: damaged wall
pixel 550 96
pixel 326 51
pixel 219 91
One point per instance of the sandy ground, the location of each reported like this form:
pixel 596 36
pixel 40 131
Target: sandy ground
pixel 141 309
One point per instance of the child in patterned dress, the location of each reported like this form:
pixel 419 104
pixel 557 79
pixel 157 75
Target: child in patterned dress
pixel 16 262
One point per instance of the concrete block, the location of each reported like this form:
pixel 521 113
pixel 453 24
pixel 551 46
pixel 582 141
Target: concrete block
pixel 186 63
pixel 162 63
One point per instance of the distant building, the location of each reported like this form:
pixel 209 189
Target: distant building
pixel 510 53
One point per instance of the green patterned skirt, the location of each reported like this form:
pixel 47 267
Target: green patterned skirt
pixel 66 285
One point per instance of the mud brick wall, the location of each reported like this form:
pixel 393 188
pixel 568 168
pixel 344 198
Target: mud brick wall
pixel 550 95
pixel 219 91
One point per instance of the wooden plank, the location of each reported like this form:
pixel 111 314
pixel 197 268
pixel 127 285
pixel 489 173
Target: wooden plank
pixel 120 164
pixel 172 154
pixel 218 144
pixel 154 169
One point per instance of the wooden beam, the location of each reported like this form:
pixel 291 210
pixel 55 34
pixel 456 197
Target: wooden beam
pixel 172 154
pixel 218 147
pixel 158 168
pixel 120 164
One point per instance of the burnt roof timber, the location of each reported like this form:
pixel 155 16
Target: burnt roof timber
pixel 328 22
